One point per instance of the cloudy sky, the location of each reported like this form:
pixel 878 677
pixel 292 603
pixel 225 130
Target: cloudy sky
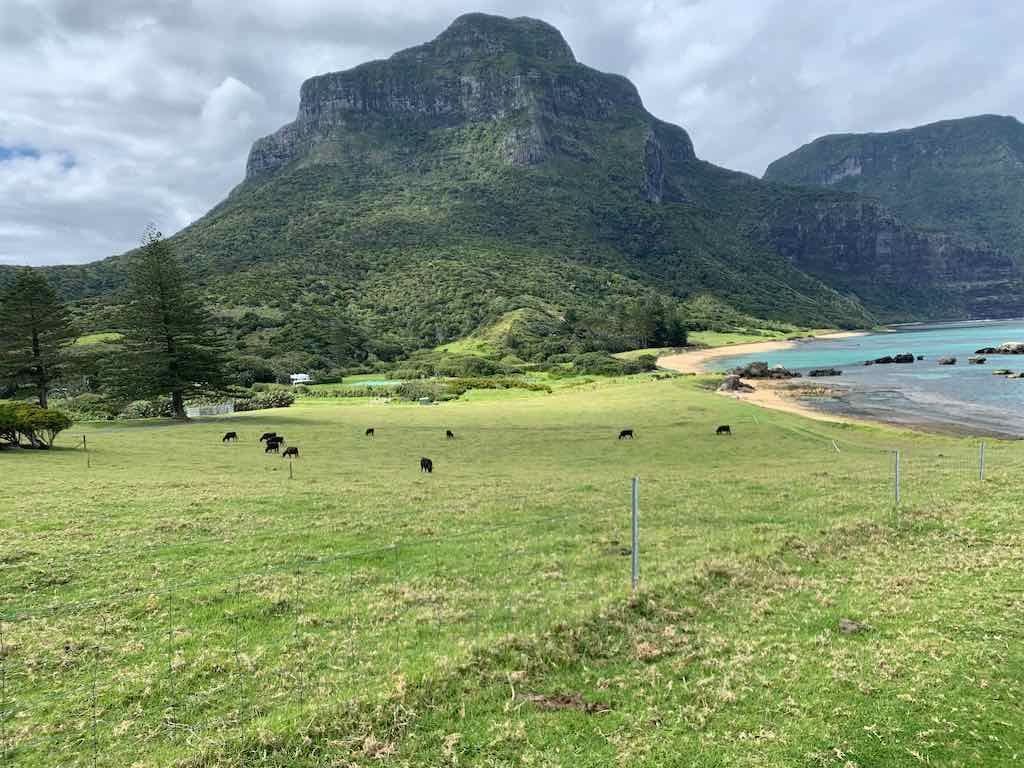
pixel 114 113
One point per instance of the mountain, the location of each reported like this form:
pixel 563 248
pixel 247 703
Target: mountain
pixel 420 198
pixel 963 177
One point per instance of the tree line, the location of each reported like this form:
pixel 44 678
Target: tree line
pixel 171 346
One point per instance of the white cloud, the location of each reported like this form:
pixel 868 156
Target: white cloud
pixel 156 102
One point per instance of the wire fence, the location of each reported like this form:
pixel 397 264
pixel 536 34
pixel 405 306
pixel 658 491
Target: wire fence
pixel 164 666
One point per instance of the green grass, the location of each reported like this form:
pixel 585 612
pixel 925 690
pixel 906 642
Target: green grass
pixel 182 602
pixel 98 338
pixel 357 380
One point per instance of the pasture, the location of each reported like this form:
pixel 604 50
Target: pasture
pixel 171 600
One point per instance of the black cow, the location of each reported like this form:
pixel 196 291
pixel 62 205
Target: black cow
pixel 267 436
pixel 272 447
pixel 426 465
pixel 449 435
pixel 626 434
pixel 291 452
pixel 370 432
pixel 230 437
pixel 723 430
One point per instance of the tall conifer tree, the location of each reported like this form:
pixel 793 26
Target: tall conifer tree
pixel 171 345
pixel 35 332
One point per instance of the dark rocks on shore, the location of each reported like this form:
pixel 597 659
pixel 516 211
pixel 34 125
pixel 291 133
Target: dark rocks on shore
pixel 825 372
pixel 1002 372
pixel 733 383
pixel 889 359
pixel 920 357
pixel 946 361
pixel 1009 348
pixel 759 370
pixel 976 360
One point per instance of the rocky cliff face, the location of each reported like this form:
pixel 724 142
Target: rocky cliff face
pixel 481 69
pixel 860 247
pixel 964 178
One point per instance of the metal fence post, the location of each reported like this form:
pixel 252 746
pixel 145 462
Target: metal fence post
pixel 635 551
pixel 897 476
pixel 3 697
pixel 981 462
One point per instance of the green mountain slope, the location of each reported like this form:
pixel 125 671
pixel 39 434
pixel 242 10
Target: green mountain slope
pixel 957 176
pixel 418 198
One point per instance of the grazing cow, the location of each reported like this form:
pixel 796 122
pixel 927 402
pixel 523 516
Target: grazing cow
pixel 267 436
pixel 723 430
pixel 449 435
pixel 291 452
pixel 272 447
pixel 230 437
pixel 426 465
pixel 370 432
pixel 626 434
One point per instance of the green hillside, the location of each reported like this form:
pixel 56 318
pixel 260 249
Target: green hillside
pixel 961 176
pixel 417 200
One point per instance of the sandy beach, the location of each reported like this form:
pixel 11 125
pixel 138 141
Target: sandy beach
pixel 775 394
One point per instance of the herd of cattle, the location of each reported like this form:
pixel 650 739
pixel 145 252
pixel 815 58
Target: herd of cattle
pixel 273 442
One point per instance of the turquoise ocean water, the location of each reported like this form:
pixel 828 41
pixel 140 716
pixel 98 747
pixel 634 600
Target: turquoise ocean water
pixel 964 398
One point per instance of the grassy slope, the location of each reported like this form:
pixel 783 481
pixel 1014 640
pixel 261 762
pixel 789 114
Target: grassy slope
pixel 241 633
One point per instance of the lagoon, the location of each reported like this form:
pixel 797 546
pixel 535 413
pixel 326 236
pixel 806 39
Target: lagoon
pixel 963 398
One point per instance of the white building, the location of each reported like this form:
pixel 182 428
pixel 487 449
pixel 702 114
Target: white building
pixel 300 378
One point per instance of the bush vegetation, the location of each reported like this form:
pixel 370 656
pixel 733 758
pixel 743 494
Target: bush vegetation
pixel 29 425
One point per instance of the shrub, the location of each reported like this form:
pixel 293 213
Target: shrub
pixel 449 389
pixel 86 407
pixel 416 390
pixel 647 362
pixel 27 422
pixel 458 387
pixel 262 400
pixel 148 409
pixel 603 364
pixel 353 391
pixel 470 366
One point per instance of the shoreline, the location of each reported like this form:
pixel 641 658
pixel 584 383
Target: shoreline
pixel 695 361
pixel 783 395
pixel 767 393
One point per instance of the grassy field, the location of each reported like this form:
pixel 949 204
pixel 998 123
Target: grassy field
pixel 169 600
pixel 98 338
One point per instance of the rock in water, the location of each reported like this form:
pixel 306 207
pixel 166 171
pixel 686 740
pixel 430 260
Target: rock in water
pixel 760 370
pixel 976 360
pixel 889 359
pixel 733 383
pixel 825 372
pixel 1009 348
pixel 946 361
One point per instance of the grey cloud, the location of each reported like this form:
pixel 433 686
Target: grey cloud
pixel 158 101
